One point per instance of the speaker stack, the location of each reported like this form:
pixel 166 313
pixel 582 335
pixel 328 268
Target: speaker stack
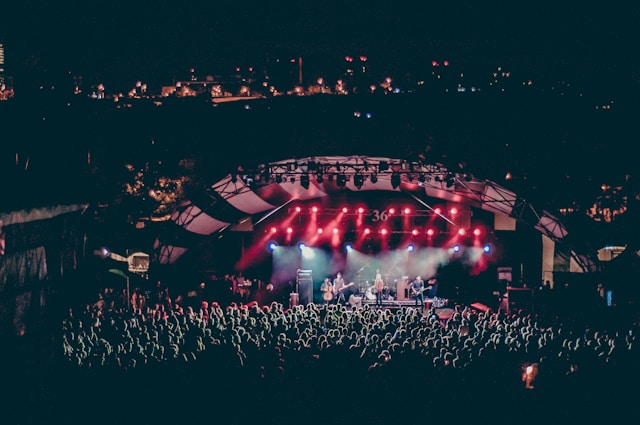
pixel 402 289
pixel 304 281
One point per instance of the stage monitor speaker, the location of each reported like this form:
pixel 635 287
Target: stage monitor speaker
pixel 481 307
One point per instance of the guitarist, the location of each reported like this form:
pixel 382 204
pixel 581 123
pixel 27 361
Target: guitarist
pixel 417 291
pixel 338 288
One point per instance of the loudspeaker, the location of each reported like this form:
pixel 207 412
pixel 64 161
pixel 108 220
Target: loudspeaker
pixel 402 289
pixel 519 295
pixel 305 286
pixel 505 273
pixel 519 298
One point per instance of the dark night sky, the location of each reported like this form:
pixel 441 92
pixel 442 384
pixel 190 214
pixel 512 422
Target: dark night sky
pixel 153 39
pixel 594 46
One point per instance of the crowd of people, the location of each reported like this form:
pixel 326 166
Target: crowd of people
pixel 355 362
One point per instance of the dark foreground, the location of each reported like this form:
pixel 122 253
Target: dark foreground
pixel 340 380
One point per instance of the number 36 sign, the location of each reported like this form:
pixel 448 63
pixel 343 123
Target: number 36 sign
pixel 377 215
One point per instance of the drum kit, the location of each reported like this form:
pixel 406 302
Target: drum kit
pixel 394 289
pixel 388 292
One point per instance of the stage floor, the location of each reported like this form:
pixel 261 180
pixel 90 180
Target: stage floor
pixel 392 303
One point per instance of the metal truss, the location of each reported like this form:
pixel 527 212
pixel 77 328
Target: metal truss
pixel 417 179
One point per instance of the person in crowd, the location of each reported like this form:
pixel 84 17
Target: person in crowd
pixel 272 344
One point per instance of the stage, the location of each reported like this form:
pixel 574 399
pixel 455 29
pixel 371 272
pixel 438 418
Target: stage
pixel 394 303
pixel 443 306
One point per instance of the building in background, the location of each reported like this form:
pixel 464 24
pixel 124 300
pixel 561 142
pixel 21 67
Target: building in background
pixel 6 91
pixel 2 77
pixel 2 63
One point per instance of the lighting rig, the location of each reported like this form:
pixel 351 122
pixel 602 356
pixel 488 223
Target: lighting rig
pixel 357 170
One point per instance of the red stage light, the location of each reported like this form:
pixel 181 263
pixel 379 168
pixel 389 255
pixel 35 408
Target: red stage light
pixel 274 229
pixel 289 230
pixel 360 210
pixel 430 232
pixel 407 211
pixel 414 232
pixel 477 231
pixel 345 210
pixel 438 210
pixel 384 231
pixel 335 230
pixel 367 231
pixel 314 209
pixel 392 211
pixel 298 209
pixel 320 230
pixel 453 211
pixel 461 232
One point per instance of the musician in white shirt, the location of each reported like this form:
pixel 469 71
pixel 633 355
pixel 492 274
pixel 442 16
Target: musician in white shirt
pixel 378 287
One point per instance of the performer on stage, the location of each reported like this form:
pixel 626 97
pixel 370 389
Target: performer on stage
pixel 327 290
pixel 378 287
pixel 338 289
pixel 417 291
